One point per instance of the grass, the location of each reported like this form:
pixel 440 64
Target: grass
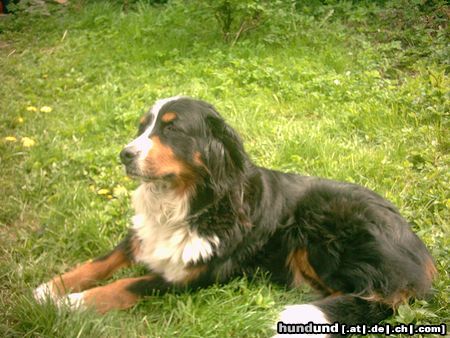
pixel 350 92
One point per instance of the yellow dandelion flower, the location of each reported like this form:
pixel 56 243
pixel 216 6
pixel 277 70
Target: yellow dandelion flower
pixel 10 139
pixel 20 119
pixel 32 109
pixel 103 192
pixel 120 191
pixel 46 109
pixel 28 142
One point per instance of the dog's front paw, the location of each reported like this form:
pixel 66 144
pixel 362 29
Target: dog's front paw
pixel 44 292
pixel 74 301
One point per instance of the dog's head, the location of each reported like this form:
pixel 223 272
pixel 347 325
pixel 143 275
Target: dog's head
pixel 185 142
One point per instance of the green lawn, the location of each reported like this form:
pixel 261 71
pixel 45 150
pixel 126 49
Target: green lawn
pixel 351 92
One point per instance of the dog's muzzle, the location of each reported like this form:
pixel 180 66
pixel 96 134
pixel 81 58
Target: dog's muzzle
pixel 128 155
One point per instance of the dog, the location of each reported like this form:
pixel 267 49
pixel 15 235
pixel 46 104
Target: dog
pixel 204 214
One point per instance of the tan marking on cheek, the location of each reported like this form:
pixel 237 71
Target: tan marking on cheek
pixel 302 271
pixel 87 274
pixel 113 296
pixel 162 161
pixel 169 117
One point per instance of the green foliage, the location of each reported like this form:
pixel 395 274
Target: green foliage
pixel 237 18
pixel 355 91
pixel 35 7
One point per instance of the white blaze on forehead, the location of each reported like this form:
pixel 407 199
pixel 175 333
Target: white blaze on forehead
pixel 143 144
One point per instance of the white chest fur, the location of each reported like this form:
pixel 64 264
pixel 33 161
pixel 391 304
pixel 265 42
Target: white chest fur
pixel 168 245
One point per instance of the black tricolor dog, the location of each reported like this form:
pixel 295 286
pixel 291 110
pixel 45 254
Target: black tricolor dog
pixel 204 213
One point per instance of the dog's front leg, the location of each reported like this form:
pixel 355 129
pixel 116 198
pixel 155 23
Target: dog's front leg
pixel 84 276
pixel 118 295
pixel 126 292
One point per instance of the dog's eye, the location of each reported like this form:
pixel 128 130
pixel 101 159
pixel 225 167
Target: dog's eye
pixel 171 128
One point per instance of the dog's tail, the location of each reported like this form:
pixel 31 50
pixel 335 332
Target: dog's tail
pixel 335 316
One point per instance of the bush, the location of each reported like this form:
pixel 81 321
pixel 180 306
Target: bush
pixel 237 18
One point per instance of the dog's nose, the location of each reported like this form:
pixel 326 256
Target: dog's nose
pixel 127 155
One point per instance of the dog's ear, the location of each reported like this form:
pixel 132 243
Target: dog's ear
pixel 224 155
pixel 226 161
pixel 229 138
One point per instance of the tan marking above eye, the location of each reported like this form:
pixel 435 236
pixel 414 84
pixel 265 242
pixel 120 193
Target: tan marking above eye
pixel 169 117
